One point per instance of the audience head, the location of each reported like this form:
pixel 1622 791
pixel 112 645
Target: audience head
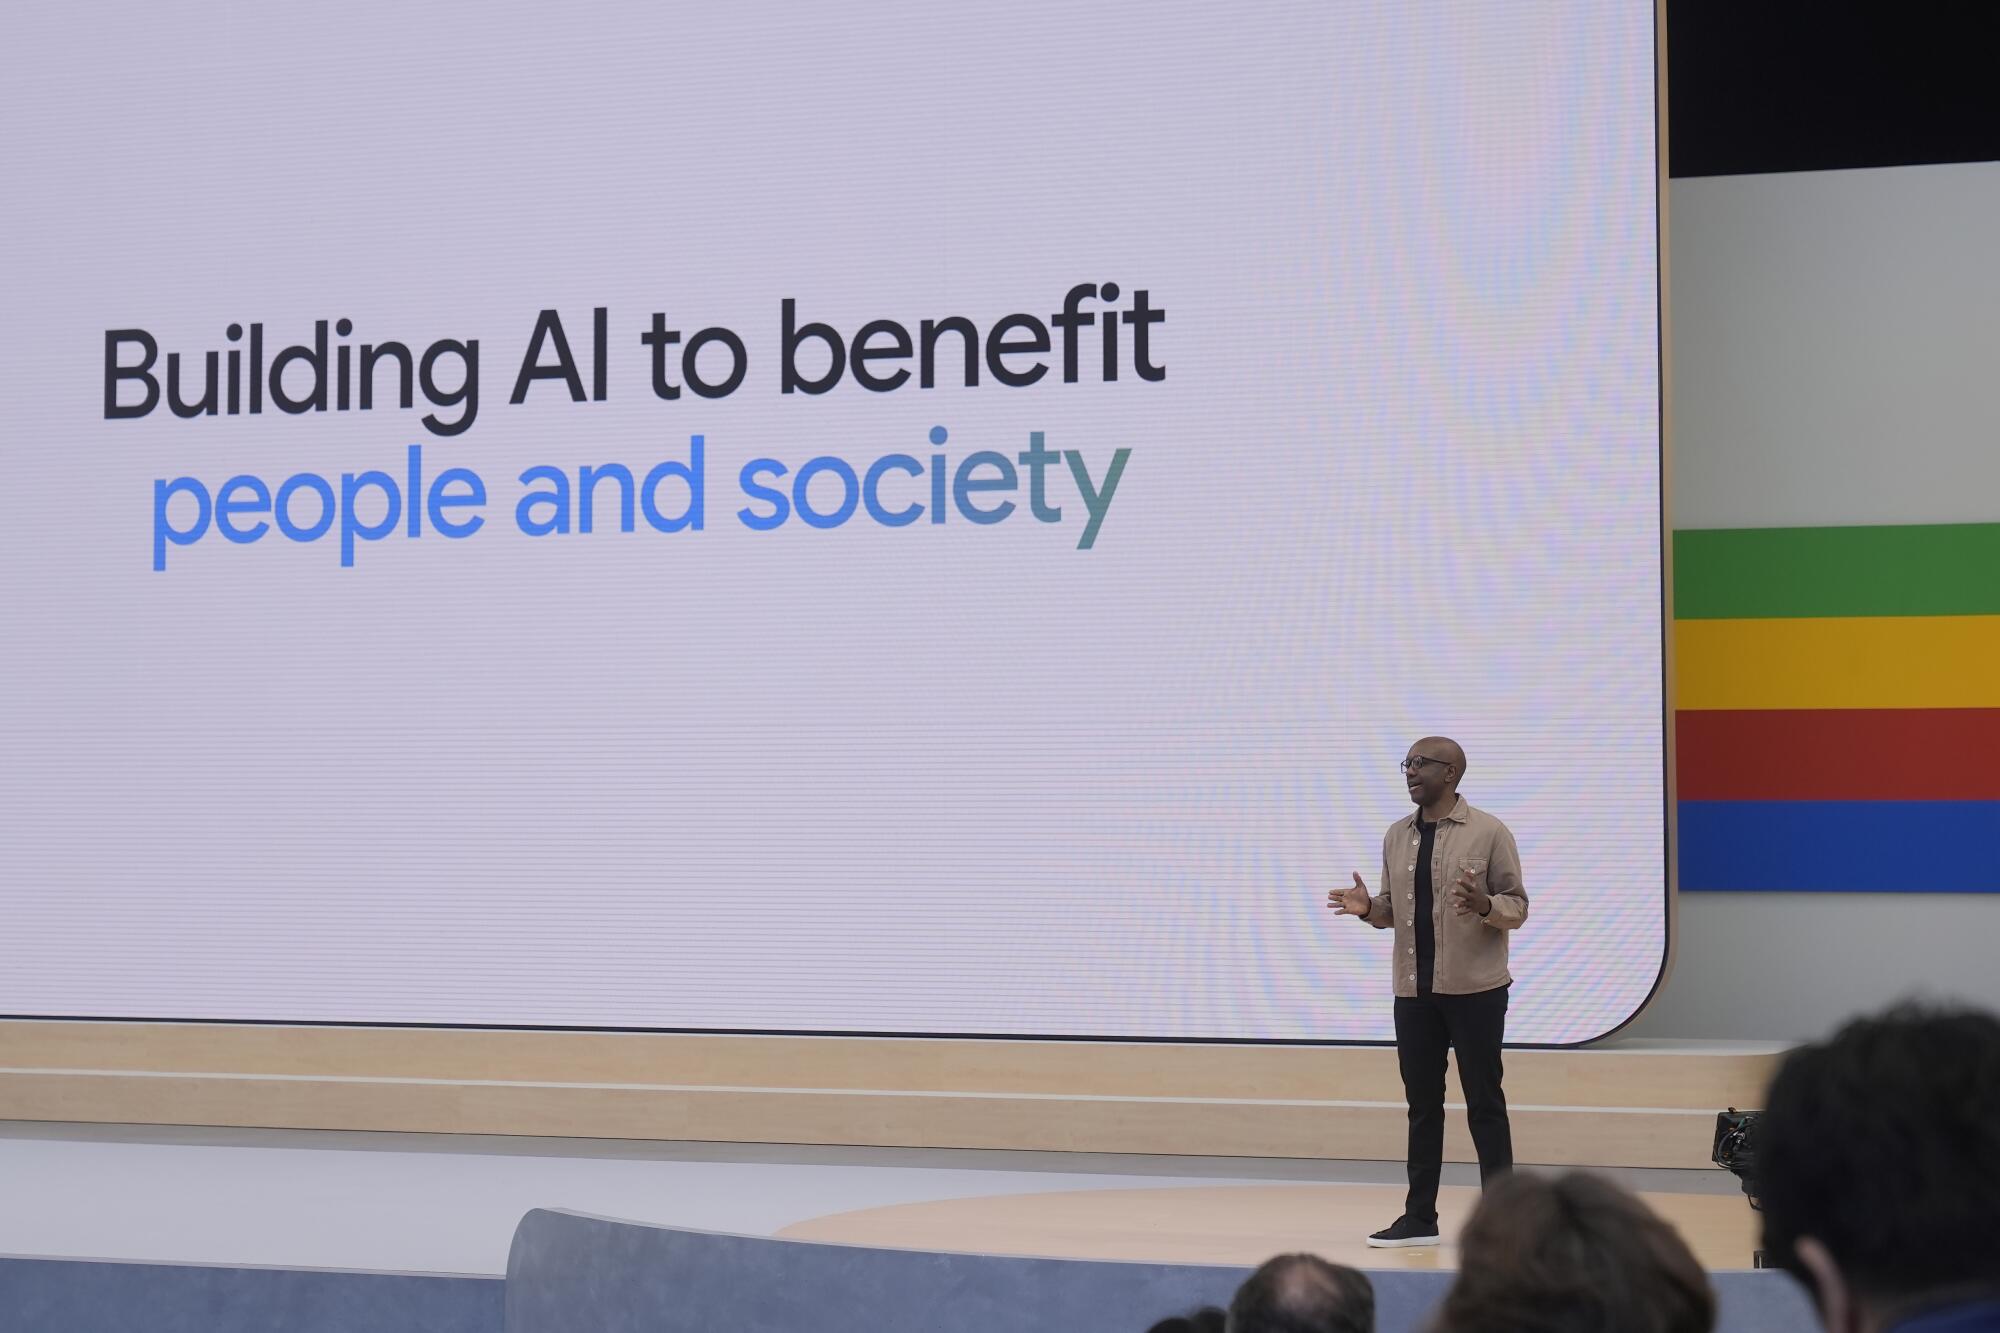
pixel 1303 1293
pixel 1552 1254
pixel 1878 1165
pixel 1207 1319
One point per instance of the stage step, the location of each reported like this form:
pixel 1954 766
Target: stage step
pixel 1634 1103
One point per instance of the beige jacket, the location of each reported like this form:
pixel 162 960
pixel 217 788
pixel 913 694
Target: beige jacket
pixel 1471 951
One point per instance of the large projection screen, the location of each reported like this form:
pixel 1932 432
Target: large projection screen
pixel 1042 465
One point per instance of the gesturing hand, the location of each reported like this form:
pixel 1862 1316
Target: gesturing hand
pixel 1469 898
pixel 1349 902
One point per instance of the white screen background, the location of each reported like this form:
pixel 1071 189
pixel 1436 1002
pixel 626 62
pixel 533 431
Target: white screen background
pixel 1402 477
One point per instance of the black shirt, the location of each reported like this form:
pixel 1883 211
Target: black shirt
pixel 1426 935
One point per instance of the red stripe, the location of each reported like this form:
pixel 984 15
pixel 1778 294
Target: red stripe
pixel 1847 754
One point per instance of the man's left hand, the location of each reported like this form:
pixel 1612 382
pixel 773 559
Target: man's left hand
pixel 1468 898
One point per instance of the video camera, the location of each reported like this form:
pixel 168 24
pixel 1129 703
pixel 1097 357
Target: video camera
pixel 1735 1148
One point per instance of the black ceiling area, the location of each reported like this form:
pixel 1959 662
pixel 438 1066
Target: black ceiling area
pixel 1766 87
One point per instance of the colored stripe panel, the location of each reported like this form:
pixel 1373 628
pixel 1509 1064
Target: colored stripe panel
pixel 1863 754
pixel 1839 846
pixel 1874 662
pixel 1948 569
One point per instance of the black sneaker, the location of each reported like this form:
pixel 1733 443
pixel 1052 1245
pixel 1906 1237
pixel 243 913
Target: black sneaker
pixel 1404 1232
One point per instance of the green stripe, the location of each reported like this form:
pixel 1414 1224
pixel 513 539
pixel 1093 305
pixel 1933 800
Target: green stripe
pixel 1947 569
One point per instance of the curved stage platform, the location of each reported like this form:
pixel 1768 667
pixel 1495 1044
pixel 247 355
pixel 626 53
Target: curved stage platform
pixel 775 1184
pixel 230 1231
pixel 1228 1224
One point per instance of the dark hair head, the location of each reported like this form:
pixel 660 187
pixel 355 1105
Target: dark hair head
pixel 1884 1145
pixel 1303 1293
pixel 1550 1254
pixel 1208 1319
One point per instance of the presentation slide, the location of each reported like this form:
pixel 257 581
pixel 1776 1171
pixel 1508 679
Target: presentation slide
pixel 896 519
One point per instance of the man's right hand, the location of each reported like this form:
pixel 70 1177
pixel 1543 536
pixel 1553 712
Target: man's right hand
pixel 1349 902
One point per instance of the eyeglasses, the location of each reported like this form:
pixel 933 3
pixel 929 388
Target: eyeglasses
pixel 1416 763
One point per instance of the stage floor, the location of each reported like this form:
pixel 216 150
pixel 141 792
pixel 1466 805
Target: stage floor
pixel 304 1198
pixel 1230 1224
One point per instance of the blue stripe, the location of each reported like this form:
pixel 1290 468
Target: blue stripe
pixel 1840 846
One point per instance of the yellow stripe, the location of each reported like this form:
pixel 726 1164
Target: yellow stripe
pixel 1851 662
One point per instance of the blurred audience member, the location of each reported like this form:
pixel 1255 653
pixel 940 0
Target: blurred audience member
pixel 1207 1319
pixel 1878 1167
pixel 1572 1253
pixel 1303 1293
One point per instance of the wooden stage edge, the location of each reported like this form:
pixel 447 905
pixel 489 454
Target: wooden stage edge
pixel 1633 1103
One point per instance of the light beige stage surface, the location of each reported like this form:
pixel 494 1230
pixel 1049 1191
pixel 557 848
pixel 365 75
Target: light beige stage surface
pixel 1228 1224
pixel 1641 1104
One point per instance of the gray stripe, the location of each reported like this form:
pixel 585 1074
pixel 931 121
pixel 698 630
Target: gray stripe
pixel 1836 347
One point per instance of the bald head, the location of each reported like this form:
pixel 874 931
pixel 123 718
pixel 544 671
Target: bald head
pixel 1442 747
pixel 1295 1292
pixel 1432 771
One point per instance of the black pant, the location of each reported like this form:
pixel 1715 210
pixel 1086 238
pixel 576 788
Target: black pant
pixel 1472 1025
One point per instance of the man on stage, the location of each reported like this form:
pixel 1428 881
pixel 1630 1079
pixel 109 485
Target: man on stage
pixel 1450 969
